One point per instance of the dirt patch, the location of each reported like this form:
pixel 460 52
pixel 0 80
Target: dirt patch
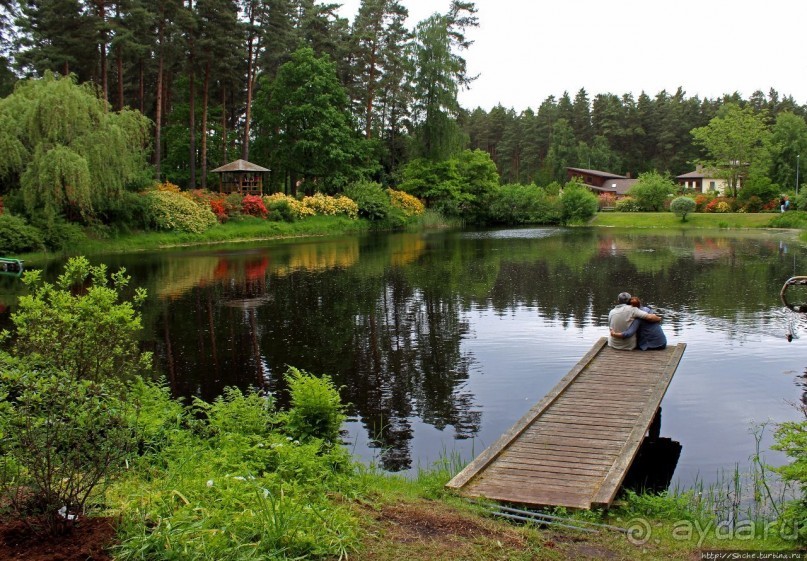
pixel 427 530
pixel 86 541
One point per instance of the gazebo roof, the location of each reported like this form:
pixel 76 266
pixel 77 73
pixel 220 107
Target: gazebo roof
pixel 239 165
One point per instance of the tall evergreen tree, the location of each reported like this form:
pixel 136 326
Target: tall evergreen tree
pixel 305 128
pixel 440 73
pixel 55 35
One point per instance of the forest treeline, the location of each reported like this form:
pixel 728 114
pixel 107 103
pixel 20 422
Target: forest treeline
pixel 323 100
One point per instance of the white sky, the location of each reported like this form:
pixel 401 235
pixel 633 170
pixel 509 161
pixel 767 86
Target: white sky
pixel 526 50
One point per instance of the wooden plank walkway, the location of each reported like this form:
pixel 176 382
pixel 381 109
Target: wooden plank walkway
pixel 574 447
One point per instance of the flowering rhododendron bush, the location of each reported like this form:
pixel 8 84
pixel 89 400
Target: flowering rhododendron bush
pixel 170 210
pixel 409 204
pixel 284 207
pixel 252 205
pixel 332 206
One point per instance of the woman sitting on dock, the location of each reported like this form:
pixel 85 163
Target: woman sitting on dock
pixel 649 335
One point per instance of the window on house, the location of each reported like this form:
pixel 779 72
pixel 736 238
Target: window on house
pixel 712 186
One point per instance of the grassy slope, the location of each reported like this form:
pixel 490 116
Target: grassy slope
pixel 669 220
pixel 248 229
pixel 419 521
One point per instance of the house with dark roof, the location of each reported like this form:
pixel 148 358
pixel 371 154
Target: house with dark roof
pixel 702 180
pixel 602 181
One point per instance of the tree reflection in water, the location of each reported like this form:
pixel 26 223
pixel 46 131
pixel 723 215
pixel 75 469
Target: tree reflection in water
pixel 391 317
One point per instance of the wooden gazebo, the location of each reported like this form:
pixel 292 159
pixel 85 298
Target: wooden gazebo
pixel 241 177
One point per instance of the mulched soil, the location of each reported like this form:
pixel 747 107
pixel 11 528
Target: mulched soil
pixel 86 541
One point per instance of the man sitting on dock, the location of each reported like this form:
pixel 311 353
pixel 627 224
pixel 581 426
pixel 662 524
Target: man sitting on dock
pixel 619 320
pixel 649 335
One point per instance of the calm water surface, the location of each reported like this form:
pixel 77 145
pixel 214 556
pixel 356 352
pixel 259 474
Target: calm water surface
pixel 441 341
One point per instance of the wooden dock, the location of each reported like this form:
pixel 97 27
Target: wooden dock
pixel 574 447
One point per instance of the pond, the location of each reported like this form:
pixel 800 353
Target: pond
pixel 441 341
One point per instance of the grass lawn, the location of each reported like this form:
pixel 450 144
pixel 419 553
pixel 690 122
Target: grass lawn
pixel 695 220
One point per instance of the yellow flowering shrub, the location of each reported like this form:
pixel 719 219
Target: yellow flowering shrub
pixel 169 210
pixel 331 206
pixel 284 204
pixel 168 187
pixel 409 204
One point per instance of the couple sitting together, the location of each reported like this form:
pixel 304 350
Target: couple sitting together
pixel 633 325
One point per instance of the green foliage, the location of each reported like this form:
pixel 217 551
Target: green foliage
pixel 799 202
pixel 70 153
pixel 652 190
pixel 61 438
pixel 790 219
pixel 235 412
pixel 523 204
pixel 58 233
pixel 455 187
pixel 478 176
pixel 681 206
pixel 17 236
pixel 788 142
pixel 439 72
pixel 305 128
pixel 225 466
pixel 316 409
pixel 627 204
pixel 280 208
pixel 759 186
pixel 80 325
pixel 175 211
pixel 578 204
pixel 735 141
pixel 791 438
pixel 374 202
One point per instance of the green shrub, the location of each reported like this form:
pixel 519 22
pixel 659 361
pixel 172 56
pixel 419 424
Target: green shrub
pixel 17 236
pixel 522 204
pixel 280 210
pixel 316 409
pixel 80 324
pixel 797 202
pixel 58 233
pixel 791 438
pixel 681 206
pixel 128 212
pixel 174 211
pixel 652 190
pixel 758 186
pixel 752 204
pixel 578 204
pixel 62 438
pixel 627 204
pixel 373 201
pixel 790 219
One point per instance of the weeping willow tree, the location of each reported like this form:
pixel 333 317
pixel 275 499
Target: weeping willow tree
pixel 66 150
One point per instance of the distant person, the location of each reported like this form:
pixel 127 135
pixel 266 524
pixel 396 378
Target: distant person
pixel 787 203
pixel 782 204
pixel 621 318
pixel 649 335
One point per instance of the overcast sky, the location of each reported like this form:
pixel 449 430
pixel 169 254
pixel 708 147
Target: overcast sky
pixel 526 50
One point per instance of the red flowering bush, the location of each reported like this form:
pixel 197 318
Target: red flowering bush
pixel 701 201
pixel 720 204
pixel 217 206
pixel 253 206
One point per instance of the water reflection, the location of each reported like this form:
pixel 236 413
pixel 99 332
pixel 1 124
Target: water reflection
pixel 441 341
